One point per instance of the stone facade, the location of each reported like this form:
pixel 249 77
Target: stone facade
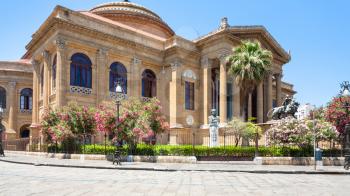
pixel 140 40
pixel 15 77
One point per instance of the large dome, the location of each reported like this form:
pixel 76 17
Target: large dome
pixel 135 16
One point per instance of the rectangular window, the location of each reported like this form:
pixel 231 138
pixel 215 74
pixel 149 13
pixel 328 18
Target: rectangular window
pixel 189 95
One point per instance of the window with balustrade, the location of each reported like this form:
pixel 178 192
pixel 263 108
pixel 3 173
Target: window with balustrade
pixel 81 71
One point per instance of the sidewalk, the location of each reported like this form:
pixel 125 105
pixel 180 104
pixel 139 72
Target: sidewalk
pixel 249 167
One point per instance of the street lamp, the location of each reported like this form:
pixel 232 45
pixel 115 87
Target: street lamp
pixel 118 98
pixel 345 93
pixel 119 92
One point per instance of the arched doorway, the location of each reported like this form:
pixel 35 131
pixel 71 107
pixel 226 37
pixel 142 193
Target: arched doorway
pixel 24 131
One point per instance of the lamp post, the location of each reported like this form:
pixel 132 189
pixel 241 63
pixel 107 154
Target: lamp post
pixel 118 98
pixel 1 130
pixel 119 92
pixel 344 98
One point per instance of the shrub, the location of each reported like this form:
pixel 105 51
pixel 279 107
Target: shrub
pixel 336 113
pixel 188 150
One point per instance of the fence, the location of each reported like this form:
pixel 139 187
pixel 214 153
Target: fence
pixel 179 137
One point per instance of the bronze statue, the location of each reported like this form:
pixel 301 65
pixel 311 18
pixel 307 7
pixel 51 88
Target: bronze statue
pixel 288 108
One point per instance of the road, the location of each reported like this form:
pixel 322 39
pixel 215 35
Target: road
pixel 18 179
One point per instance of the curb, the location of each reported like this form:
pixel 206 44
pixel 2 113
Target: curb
pixel 174 170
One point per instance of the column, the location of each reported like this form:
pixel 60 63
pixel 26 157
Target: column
pixel 61 84
pixel 278 89
pixel 12 103
pixel 223 89
pixel 250 107
pixel 269 93
pixel 136 77
pixel 260 103
pixel 47 67
pixel 174 99
pixel 236 100
pixel 206 78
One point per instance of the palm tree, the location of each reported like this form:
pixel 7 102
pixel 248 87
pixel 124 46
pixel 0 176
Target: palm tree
pixel 249 64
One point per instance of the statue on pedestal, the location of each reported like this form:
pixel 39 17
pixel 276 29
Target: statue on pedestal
pixel 213 129
pixel 288 108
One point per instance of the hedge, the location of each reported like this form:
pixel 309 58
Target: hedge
pixel 188 150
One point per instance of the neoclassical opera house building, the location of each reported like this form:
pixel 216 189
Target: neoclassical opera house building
pixel 79 55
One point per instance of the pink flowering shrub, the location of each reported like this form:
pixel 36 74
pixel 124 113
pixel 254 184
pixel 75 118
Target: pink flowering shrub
pixel 294 132
pixel 69 122
pixel 138 120
pixel 336 113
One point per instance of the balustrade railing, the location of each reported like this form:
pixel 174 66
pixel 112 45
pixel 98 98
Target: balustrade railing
pixel 80 90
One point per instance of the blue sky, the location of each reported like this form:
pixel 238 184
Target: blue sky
pixel 316 32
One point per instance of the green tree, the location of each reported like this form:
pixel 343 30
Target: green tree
pixel 237 128
pixel 243 130
pixel 249 64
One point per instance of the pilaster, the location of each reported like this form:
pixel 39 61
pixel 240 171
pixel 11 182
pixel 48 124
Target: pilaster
pixel 36 79
pixel 12 107
pixel 61 84
pixel 102 87
pixel 174 97
pixel 47 68
pixel 136 77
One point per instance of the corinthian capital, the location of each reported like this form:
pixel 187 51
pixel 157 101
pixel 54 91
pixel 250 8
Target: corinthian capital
pixel 135 61
pixel 175 64
pixel 205 62
pixel 36 66
pixel 46 55
pixel 12 84
pixel 223 57
pixel 60 43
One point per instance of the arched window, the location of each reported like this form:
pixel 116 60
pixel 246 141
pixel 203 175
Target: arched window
pixel 118 73
pixel 80 71
pixel 26 99
pixel 149 84
pixel 2 97
pixel 54 66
